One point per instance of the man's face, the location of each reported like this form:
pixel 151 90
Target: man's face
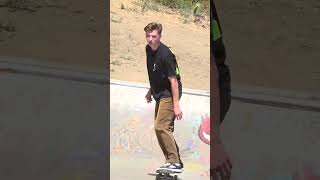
pixel 153 38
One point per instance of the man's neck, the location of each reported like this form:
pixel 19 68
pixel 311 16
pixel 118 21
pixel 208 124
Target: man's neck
pixel 155 48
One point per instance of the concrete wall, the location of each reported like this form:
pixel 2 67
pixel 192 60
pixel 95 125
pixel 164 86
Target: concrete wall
pixel 132 131
pixel 52 128
pixel 272 143
pixel 269 134
pixel 53 124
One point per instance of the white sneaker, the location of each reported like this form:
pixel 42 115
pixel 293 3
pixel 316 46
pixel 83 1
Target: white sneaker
pixel 174 167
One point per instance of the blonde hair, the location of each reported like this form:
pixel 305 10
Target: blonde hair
pixel 153 26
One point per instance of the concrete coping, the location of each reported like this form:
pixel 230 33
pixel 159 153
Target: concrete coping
pixel 242 93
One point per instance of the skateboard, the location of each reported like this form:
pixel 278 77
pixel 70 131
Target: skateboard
pixel 166 174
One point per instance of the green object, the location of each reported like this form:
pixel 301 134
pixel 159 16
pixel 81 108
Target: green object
pixel 177 71
pixel 216 33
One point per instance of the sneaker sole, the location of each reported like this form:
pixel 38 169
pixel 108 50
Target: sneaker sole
pixel 167 170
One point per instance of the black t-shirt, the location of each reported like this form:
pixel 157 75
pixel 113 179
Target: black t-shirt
pixel 218 49
pixel 162 64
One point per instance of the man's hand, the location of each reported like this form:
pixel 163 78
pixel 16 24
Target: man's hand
pixel 148 96
pixel 175 97
pixel 221 163
pixel 177 112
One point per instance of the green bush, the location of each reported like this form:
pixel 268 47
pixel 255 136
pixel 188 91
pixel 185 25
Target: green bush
pixel 185 7
pixel 178 4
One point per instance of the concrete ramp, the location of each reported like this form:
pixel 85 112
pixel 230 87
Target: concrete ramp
pixel 273 143
pixel 135 152
pixel 269 134
pixel 53 125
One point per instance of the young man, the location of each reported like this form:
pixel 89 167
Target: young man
pixel 221 99
pixel 166 89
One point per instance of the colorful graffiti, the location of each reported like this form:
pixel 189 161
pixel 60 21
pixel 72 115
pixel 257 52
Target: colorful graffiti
pixel 132 127
pixel 136 135
pixel 204 130
pixel 133 136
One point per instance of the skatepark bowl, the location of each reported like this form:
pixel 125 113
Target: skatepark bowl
pixel 54 126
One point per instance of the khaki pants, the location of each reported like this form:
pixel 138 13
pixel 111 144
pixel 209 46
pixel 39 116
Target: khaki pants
pixel 164 127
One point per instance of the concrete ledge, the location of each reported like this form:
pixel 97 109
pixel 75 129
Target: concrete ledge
pixel 146 86
pixel 52 70
pixel 246 94
pixel 276 97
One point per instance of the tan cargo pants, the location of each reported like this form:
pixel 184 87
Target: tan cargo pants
pixel 164 127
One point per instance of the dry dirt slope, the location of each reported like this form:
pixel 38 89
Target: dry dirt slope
pixel 273 43
pixel 56 31
pixel 269 43
pixel 189 42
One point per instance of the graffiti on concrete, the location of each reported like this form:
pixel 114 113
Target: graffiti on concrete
pixel 132 127
pixel 136 135
pixel 204 130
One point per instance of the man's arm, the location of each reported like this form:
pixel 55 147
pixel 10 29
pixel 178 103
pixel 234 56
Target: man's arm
pixel 220 163
pixel 175 96
pixel 215 106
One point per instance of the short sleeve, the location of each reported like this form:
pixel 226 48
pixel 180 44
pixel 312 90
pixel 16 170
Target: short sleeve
pixel 170 65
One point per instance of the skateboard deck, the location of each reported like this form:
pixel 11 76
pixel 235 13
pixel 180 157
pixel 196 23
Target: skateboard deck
pixel 166 174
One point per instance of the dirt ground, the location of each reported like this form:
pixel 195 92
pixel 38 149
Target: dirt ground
pixel 189 42
pixel 55 31
pixel 272 44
